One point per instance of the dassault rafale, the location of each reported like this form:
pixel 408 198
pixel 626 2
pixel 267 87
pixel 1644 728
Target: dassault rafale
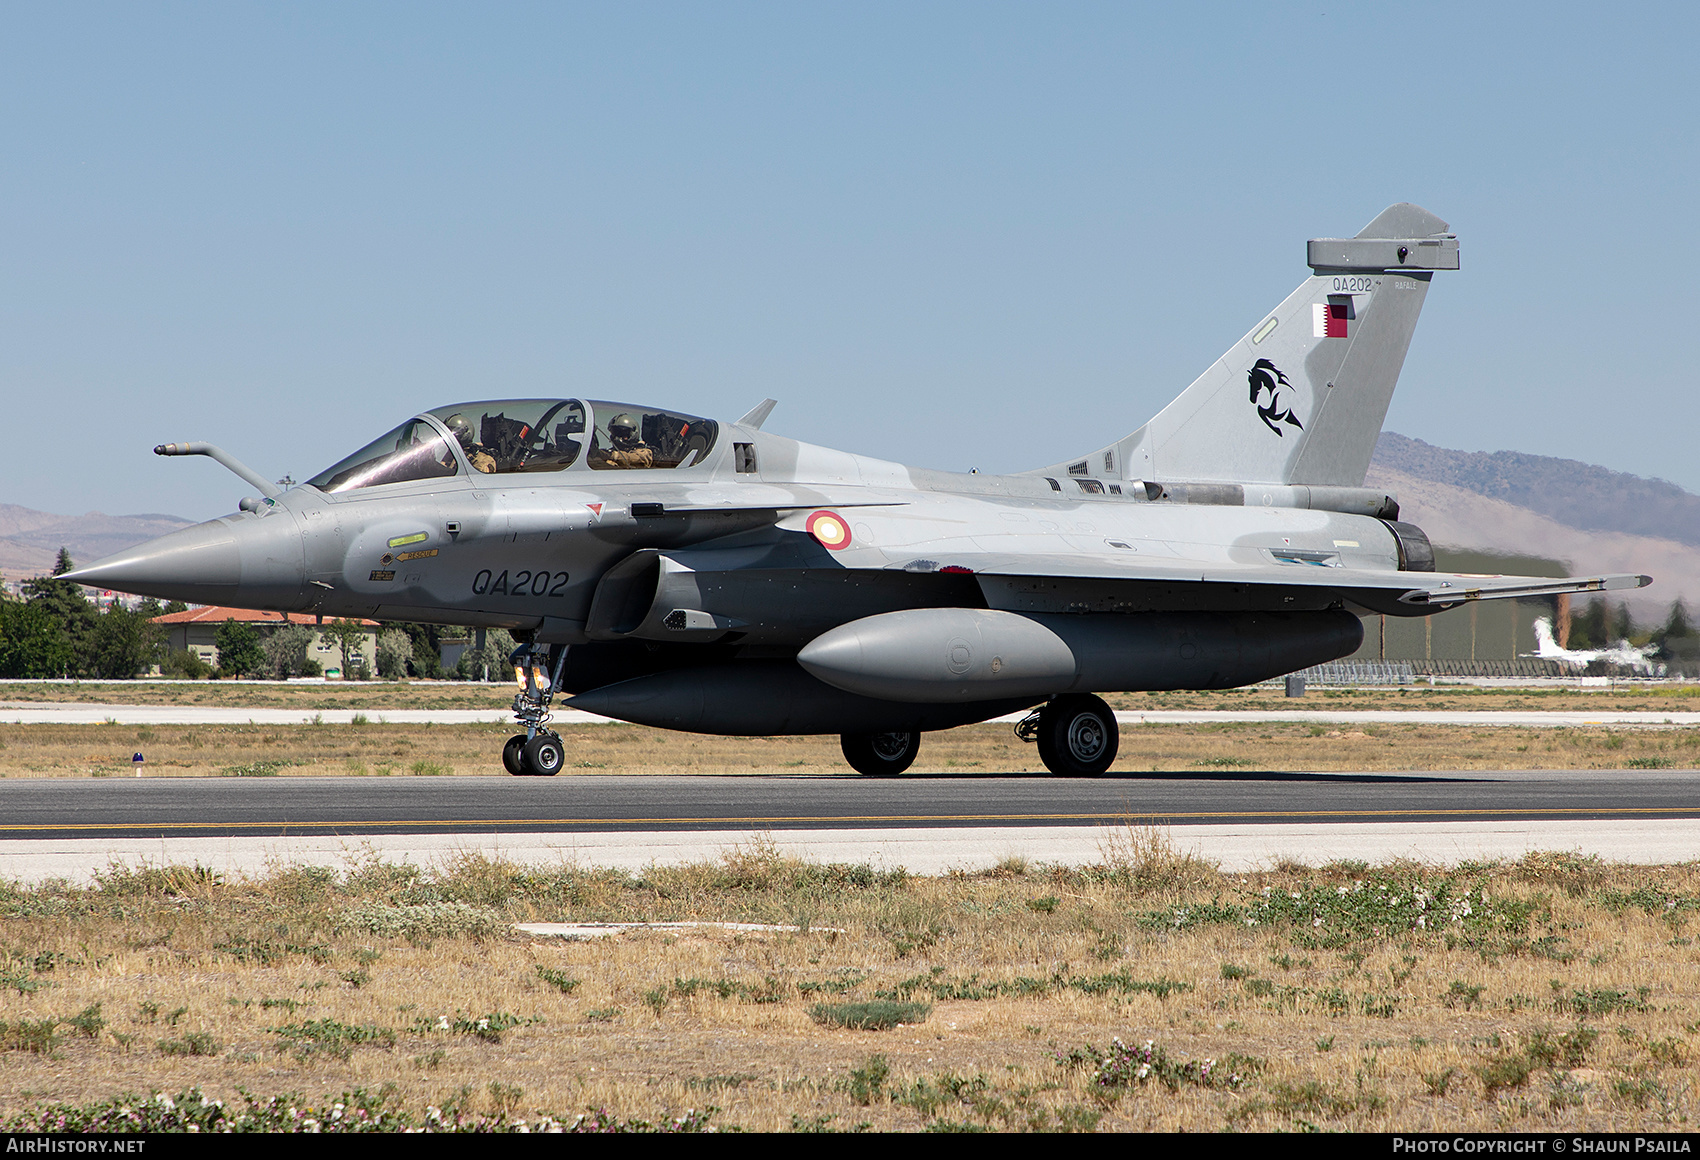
pixel 693 574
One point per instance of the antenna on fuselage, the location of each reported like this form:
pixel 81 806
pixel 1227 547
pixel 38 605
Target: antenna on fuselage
pixel 758 414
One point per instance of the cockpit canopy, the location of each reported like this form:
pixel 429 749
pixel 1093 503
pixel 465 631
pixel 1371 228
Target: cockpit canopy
pixel 415 450
pixel 525 435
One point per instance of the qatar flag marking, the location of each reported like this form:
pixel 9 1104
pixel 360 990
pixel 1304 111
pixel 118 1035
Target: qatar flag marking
pixel 1328 319
pixel 830 529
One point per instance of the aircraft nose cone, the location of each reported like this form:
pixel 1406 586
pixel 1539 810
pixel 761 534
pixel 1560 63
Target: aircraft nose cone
pixel 204 557
pixel 205 564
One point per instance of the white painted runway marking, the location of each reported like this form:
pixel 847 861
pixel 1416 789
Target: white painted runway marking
pixel 1235 847
pixel 57 713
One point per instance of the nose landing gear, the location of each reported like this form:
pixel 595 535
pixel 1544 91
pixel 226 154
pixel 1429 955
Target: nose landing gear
pixel 538 751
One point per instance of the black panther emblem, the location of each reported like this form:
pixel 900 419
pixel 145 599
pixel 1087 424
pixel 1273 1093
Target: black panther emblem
pixel 1264 376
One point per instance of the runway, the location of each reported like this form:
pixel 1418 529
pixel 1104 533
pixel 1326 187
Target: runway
pixel 73 827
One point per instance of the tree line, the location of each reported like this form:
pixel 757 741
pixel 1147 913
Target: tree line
pixel 55 631
pixel 1600 625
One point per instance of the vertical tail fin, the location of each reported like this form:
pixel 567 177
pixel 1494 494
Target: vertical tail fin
pixel 1300 399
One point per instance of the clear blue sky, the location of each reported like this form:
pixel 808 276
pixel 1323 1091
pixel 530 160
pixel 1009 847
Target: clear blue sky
pixel 959 235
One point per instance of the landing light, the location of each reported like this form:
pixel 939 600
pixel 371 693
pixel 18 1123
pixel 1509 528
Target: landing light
pixel 538 672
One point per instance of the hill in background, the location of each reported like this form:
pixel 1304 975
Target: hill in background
pixel 1575 494
pixel 30 540
pixel 1592 519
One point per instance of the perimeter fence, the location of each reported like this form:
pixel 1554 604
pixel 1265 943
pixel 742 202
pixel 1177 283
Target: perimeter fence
pixel 1346 673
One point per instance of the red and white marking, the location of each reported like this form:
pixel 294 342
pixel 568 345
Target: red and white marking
pixel 830 529
pixel 1329 319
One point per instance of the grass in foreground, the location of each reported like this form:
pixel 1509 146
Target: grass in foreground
pixel 1557 993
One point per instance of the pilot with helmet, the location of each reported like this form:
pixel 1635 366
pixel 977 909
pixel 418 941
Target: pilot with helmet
pixel 476 453
pixel 628 450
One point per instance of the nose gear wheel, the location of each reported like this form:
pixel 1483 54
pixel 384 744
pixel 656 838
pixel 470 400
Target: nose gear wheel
pixel 543 755
pixel 512 761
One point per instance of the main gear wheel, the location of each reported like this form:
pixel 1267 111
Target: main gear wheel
pixel 1077 735
pixel 880 754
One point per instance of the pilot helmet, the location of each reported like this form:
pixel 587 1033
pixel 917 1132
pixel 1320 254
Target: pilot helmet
pixel 460 429
pixel 621 426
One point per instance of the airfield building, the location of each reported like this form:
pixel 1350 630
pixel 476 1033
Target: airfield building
pixel 196 630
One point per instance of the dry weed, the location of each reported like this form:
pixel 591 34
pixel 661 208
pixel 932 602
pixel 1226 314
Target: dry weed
pixel 1145 857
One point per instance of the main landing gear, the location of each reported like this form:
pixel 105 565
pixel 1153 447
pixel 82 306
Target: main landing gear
pixel 1077 734
pixel 880 754
pixel 538 751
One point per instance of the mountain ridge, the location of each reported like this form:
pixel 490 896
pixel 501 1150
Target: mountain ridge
pixel 1576 494
pixel 30 540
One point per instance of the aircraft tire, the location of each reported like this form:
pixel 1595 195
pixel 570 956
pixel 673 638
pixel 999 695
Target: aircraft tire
pixel 512 759
pixel 1078 736
pixel 544 755
pixel 880 754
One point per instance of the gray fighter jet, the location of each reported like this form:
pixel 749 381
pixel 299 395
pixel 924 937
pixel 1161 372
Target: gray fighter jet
pixel 707 576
